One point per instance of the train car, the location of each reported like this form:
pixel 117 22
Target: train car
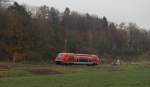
pixel 79 59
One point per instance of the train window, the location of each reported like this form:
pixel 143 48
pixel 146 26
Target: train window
pixel 71 57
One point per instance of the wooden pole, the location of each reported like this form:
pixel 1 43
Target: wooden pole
pixel 65 47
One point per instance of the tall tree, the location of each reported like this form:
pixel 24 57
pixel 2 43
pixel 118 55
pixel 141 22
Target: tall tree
pixel 18 36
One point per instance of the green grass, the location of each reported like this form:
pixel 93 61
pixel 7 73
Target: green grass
pixel 76 76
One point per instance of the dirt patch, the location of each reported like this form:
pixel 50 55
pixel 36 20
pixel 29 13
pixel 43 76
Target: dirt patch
pixel 4 67
pixel 43 71
pixel 36 69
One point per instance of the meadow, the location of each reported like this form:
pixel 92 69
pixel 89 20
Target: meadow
pixel 76 76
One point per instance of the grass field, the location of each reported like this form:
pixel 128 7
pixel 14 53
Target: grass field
pixel 78 76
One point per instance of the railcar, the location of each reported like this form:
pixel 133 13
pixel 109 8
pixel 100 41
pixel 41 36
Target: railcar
pixel 78 59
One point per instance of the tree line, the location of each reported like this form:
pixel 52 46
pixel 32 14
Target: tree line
pixel 42 34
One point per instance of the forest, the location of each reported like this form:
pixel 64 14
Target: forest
pixel 42 33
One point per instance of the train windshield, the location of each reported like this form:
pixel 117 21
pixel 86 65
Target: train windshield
pixel 60 55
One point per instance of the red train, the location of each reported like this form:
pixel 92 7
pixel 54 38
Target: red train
pixel 71 58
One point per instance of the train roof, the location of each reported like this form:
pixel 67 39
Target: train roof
pixel 78 54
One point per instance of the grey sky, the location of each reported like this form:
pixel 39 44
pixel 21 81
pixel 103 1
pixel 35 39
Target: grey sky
pixel 117 11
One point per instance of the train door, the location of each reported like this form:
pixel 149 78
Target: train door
pixel 71 59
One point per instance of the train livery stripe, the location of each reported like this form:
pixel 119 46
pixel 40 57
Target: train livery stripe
pixel 82 63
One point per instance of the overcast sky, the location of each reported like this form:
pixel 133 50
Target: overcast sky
pixel 117 11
